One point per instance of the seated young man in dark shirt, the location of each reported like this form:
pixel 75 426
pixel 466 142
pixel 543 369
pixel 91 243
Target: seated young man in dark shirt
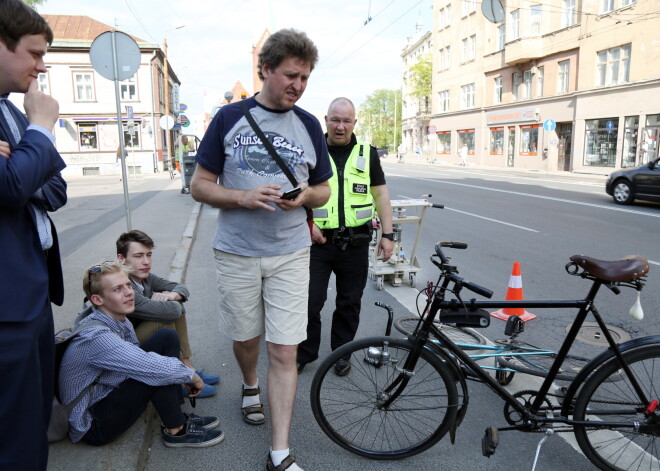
pixel 158 302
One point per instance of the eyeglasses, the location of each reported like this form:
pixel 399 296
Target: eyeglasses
pixel 90 270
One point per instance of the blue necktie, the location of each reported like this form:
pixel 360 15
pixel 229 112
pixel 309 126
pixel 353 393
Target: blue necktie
pixel 43 225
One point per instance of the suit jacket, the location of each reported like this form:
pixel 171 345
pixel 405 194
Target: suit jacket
pixel 28 278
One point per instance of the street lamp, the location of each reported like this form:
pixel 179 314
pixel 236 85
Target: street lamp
pixel 167 95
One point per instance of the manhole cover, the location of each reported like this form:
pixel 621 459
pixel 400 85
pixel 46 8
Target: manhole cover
pixel 592 334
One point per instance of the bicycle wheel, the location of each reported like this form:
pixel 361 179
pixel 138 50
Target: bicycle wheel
pixel 347 407
pixel 539 364
pixel 608 395
pixel 407 325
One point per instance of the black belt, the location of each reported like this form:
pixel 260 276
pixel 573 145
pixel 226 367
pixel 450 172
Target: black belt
pixel 349 236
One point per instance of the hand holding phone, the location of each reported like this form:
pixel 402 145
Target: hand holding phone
pixel 291 194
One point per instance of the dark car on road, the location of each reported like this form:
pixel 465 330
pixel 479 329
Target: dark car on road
pixel 636 183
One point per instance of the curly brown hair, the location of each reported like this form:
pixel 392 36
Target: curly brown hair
pixel 287 43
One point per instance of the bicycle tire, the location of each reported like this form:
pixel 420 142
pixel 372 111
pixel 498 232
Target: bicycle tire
pixel 407 325
pixel 608 395
pixel 539 365
pixel 346 409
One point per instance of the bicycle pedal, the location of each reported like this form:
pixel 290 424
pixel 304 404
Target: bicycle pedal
pixel 489 442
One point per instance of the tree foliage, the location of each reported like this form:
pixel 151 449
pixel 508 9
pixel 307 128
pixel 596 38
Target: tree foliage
pixel 34 3
pixel 376 118
pixel 420 77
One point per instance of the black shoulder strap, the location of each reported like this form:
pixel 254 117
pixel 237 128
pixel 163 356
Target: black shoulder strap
pixel 268 145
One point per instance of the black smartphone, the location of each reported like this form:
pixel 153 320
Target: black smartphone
pixel 291 194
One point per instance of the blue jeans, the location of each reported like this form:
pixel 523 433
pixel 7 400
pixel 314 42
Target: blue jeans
pixel 119 410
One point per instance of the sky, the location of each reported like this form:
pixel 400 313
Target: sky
pixel 213 50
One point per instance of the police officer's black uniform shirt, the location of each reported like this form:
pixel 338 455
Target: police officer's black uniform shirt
pixel 340 154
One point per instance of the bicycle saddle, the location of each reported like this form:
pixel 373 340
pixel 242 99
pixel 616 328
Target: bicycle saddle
pixel 627 269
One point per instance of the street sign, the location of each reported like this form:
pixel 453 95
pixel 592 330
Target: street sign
pixel 166 122
pixel 610 127
pixel 127 54
pixel 432 129
pixel 183 119
pixel 129 111
pixel 175 98
pixel 183 107
pixel 549 125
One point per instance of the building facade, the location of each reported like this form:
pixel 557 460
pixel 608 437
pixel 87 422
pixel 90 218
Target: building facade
pixel 568 85
pixel 415 111
pixel 87 133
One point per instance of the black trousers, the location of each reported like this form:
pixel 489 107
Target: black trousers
pixel 27 363
pixel 119 410
pixel 351 268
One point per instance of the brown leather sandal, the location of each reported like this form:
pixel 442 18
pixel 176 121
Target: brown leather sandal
pixel 257 409
pixel 288 461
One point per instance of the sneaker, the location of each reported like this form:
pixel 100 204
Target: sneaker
pixel 342 367
pixel 208 378
pixel 208 422
pixel 194 437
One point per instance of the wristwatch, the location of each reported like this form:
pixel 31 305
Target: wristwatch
pixel 389 236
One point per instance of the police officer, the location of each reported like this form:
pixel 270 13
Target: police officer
pixel 342 231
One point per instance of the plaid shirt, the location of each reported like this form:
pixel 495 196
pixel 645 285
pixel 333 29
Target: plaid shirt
pixel 114 354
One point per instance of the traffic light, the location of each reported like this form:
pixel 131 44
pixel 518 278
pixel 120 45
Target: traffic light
pixel 243 95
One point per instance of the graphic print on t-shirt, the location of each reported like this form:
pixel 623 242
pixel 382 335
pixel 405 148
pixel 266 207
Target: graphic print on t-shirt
pixel 253 156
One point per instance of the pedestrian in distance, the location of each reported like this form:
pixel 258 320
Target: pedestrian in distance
pixel 342 232
pixel 124 374
pixel 159 303
pixel 262 240
pixel 463 154
pixel 31 275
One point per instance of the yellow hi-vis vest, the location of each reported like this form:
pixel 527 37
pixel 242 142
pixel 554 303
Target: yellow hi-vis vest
pixel 350 203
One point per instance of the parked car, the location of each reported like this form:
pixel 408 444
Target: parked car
pixel 382 152
pixel 636 183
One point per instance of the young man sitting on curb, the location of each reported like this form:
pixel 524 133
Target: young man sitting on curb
pixel 158 302
pixel 126 375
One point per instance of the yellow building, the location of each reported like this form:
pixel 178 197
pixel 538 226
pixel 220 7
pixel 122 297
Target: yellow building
pixel 569 85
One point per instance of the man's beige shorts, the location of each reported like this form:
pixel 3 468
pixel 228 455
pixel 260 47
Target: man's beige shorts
pixel 263 294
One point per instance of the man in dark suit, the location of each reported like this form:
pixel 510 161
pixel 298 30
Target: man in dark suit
pixel 30 269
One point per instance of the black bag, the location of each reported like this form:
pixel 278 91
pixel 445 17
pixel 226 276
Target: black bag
pixel 58 428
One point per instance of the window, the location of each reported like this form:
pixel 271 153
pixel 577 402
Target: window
pixel 527 85
pixel 535 20
pixel 600 142
pixel 467 96
pixel 43 83
pixel 443 63
pixel 128 89
pixel 443 100
pixel 469 48
pixel 466 137
pixel 515 80
pixel 448 15
pixel 501 37
pixel 567 13
pixel 84 86
pixel 539 82
pixel 496 141
pixel 529 138
pixel 562 77
pixel 515 24
pixel 606 6
pixel 444 142
pixel 447 57
pixel 627 2
pixel 613 66
pixel 87 136
pixel 468 6
pixel 444 17
pixel 131 136
pixel 497 90
pixel 630 141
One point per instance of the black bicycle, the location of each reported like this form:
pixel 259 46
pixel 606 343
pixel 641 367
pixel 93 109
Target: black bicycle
pixel 403 395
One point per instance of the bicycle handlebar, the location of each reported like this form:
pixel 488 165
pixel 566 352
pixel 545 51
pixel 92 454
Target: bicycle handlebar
pixel 480 290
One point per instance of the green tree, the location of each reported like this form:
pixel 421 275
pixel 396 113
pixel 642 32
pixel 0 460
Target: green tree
pixel 34 3
pixel 420 77
pixel 376 119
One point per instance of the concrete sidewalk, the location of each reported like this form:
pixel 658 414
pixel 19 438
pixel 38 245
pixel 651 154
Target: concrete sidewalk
pixel 170 219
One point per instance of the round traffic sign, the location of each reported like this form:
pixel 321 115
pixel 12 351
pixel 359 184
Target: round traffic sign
pixel 549 125
pixel 126 50
pixel 166 122
pixel 432 129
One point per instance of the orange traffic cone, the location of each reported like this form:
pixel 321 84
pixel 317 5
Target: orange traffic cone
pixel 514 293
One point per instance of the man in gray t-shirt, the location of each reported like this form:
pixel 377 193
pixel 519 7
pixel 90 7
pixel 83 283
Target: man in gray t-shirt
pixel 262 240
